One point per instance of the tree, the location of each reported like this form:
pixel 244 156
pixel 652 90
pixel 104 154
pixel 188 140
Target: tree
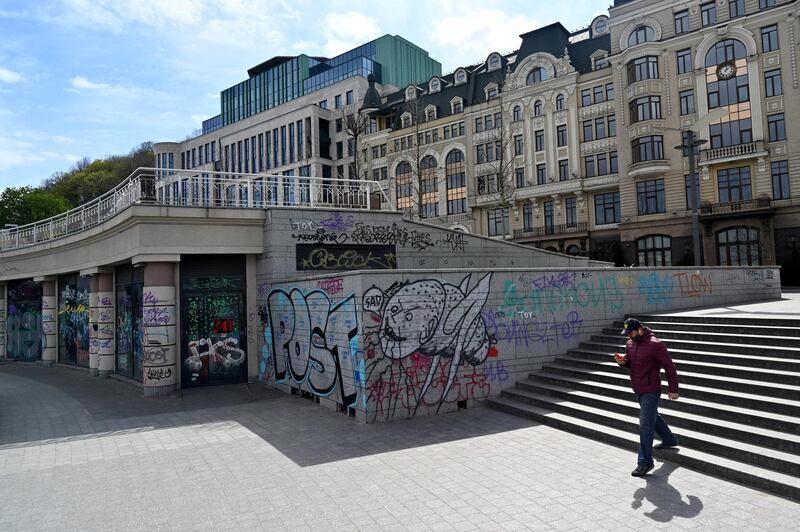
pixel 355 124
pixel 24 205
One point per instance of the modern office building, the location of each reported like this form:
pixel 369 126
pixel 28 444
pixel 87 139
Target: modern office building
pixel 567 142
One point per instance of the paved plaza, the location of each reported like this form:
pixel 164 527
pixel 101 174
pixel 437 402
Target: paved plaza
pixel 83 453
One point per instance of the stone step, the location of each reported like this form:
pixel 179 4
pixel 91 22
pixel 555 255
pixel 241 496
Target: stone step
pixel 734 392
pixel 744 374
pixel 753 476
pixel 698 354
pixel 618 342
pixel 759 329
pixel 718 407
pixel 708 336
pixel 678 419
pixel 733 449
pixel 719 320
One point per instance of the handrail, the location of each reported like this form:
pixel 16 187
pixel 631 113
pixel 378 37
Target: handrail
pixel 192 188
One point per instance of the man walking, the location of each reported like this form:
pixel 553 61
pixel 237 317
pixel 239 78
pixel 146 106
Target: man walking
pixel 645 355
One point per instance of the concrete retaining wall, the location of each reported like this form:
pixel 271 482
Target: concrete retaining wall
pixel 396 344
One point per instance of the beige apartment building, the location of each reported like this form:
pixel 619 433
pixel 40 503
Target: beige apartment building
pixel 568 142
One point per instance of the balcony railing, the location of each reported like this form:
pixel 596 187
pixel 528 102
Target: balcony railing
pixel 733 207
pixel 732 153
pixel 185 188
pixel 561 229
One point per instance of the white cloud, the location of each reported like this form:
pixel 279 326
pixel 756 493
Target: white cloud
pixel 9 76
pixel 473 35
pixel 81 83
pixel 344 31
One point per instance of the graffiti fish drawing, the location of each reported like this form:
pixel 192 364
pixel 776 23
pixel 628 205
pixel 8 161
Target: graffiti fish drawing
pixel 437 320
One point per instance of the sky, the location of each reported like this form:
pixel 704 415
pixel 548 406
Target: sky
pixel 93 78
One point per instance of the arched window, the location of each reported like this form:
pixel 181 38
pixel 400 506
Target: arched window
pixel 739 246
pixel 430 192
pixel 402 179
pixel 537 108
pixel 560 100
pixel 537 75
pixel 728 86
pixel 517 113
pixel 654 250
pixel 461 76
pixel 641 34
pixel 456 182
pixel 572 249
pixel 434 85
pixel 494 62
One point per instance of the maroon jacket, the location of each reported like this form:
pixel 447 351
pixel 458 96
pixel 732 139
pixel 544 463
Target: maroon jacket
pixel 645 360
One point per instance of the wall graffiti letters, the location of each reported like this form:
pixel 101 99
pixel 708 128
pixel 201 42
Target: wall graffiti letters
pixel 694 285
pixel 335 257
pixel 314 342
pixel 331 286
pixel 656 287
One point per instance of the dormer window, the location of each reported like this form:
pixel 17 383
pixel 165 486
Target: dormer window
pixel 537 75
pixel 601 62
pixel 641 35
pixel 457 105
pixel 560 102
pixel 494 62
pixel 460 76
pixel 491 91
pixel 411 92
pixel 435 85
pixel 405 120
pixel 430 113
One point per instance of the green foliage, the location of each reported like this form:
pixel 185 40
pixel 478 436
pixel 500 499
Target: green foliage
pixel 24 205
pixel 62 191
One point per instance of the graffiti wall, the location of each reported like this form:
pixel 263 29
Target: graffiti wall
pixel 129 330
pixel 391 345
pixel 73 320
pixel 24 335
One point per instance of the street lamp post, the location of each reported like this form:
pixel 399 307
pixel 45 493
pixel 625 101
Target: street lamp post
pixel 690 147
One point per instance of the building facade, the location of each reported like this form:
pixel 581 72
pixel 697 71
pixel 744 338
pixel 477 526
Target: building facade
pixel 566 143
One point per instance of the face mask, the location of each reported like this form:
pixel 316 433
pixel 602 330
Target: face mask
pixel 637 338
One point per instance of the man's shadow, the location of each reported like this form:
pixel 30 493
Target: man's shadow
pixel 667 500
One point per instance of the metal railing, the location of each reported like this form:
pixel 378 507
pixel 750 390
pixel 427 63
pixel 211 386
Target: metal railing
pixel 189 188
pixel 548 230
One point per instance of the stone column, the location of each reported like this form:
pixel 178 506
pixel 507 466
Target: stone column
pixel 49 322
pixel 103 325
pixel 160 330
pixel 94 357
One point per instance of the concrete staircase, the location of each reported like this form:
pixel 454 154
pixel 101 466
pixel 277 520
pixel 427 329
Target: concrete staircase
pixel 738 417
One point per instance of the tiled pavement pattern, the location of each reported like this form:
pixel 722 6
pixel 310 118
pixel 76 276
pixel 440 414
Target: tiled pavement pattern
pixel 83 453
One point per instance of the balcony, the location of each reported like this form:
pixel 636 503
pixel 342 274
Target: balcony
pixel 734 209
pixel 553 230
pixel 648 168
pixel 737 152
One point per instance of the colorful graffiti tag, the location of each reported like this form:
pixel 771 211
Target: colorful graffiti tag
pixel 24 336
pixel 73 321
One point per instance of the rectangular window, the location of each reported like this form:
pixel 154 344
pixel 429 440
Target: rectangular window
pixel 292 152
pixel 731 133
pixel 563 170
pixel 246 155
pixel 600 128
pixel 687 101
pixel 588 131
pixel 349 97
pixel 478 124
pixel 337 101
pixel 488 121
pixel 606 208
pixel 602 164
pixel 480 156
pixel 527 217
pixel 539 140
pixel 734 184
pixel 780 180
pixel 548 218
pixel 588 166
pixel 763 4
pixel 571 215
pixel 283 145
pixel 650 197
pixel 642 68
pixel 708 13
pixel 684 60
pixel 519 175
pixel 340 150
pixel 776 127
pixel 769 38
pixel 609 91
pixel 338 123
pixel 612 126
pixel 561 135
pixel 612 162
pixel 687 183
pixel 735 8
pixel 541 174
pixel 649 148
pixel 599 94
pixel 498 221
pixel 682 21
pixel 772 83
pixel 586 97
pixel 518 145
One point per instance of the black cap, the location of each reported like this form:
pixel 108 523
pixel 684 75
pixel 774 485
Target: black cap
pixel 631 324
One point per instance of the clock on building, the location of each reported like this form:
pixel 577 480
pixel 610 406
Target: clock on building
pixel 726 70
